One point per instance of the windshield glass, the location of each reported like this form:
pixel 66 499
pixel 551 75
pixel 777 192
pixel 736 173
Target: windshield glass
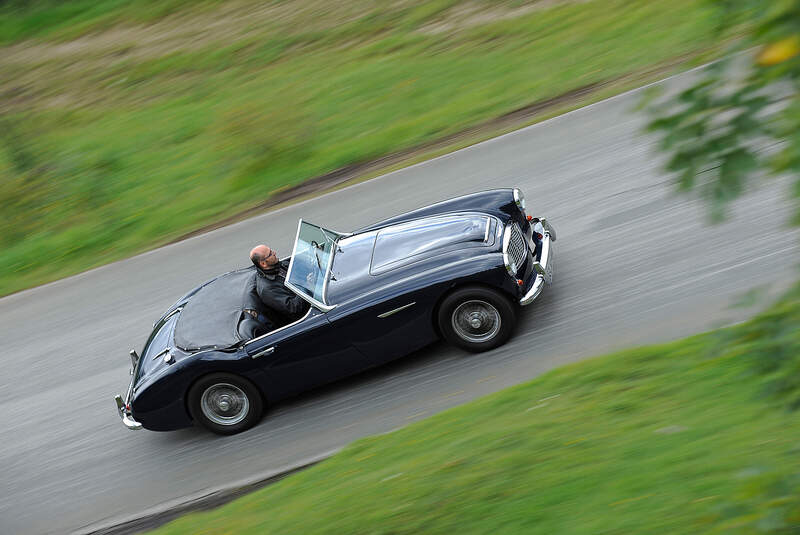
pixel 310 265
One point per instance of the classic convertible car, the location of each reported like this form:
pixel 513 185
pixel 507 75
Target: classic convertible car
pixel 457 270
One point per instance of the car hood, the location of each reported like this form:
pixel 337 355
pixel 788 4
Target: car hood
pixel 496 202
pixel 378 256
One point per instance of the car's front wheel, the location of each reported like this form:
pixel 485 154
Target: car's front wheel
pixel 476 318
pixel 225 403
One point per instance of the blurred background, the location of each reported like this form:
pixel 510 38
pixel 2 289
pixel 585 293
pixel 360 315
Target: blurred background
pixel 127 124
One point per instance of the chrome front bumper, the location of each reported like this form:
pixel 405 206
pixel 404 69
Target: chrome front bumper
pixel 127 419
pixel 544 267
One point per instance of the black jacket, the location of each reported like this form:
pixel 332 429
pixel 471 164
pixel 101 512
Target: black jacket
pixel 279 300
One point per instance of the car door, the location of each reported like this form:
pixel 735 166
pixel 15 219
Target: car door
pixel 303 355
pixel 386 327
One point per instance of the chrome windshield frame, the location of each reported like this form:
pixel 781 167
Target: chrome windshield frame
pixel 321 305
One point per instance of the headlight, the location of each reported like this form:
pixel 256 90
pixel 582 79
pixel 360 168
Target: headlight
pixel 519 198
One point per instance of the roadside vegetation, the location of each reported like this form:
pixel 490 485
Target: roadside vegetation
pixel 124 125
pixel 695 436
pixel 21 19
pixel 717 131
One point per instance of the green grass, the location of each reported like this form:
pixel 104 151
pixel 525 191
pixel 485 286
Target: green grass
pixel 696 436
pixel 115 141
pixel 22 19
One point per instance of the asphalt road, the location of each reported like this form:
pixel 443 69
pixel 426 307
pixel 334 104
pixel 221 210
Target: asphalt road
pixel 636 264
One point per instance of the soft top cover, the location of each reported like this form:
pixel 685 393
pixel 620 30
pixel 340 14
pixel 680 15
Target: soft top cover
pixel 210 318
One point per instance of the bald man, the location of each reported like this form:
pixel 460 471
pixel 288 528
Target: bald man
pixel 270 278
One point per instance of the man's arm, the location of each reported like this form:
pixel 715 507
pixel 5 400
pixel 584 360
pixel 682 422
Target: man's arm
pixel 279 298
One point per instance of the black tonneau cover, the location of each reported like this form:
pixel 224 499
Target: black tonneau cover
pixel 210 318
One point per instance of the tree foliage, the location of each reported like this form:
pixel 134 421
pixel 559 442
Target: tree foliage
pixel 741 117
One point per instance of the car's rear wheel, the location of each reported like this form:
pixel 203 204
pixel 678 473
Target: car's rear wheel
pixel 476 318
pixel 225 403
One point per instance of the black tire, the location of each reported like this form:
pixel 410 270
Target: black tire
pixel 225 404
pixel 493 314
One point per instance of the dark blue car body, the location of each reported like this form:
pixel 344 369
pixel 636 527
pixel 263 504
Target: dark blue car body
pixel 385 307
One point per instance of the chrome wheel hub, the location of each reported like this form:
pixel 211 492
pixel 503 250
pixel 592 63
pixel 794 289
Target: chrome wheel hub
pixel 224 404
pixel 476 321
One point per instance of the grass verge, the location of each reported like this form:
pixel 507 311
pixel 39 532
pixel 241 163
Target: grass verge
pixel 696 436
pixel 133 134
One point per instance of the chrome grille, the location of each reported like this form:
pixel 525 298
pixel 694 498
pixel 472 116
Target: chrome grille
pixel 517 248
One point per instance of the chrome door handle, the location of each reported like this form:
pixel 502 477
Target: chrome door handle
pixel 268 351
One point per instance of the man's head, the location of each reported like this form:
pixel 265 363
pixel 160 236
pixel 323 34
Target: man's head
pixel 263 257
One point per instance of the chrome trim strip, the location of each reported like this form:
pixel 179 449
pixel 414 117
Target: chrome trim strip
pixel 327 274
pixel 291 258
pixel 486 234
pixel 506 240
pixel 396 310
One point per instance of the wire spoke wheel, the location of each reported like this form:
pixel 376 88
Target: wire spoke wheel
pixel 476 321
pixel 224 404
